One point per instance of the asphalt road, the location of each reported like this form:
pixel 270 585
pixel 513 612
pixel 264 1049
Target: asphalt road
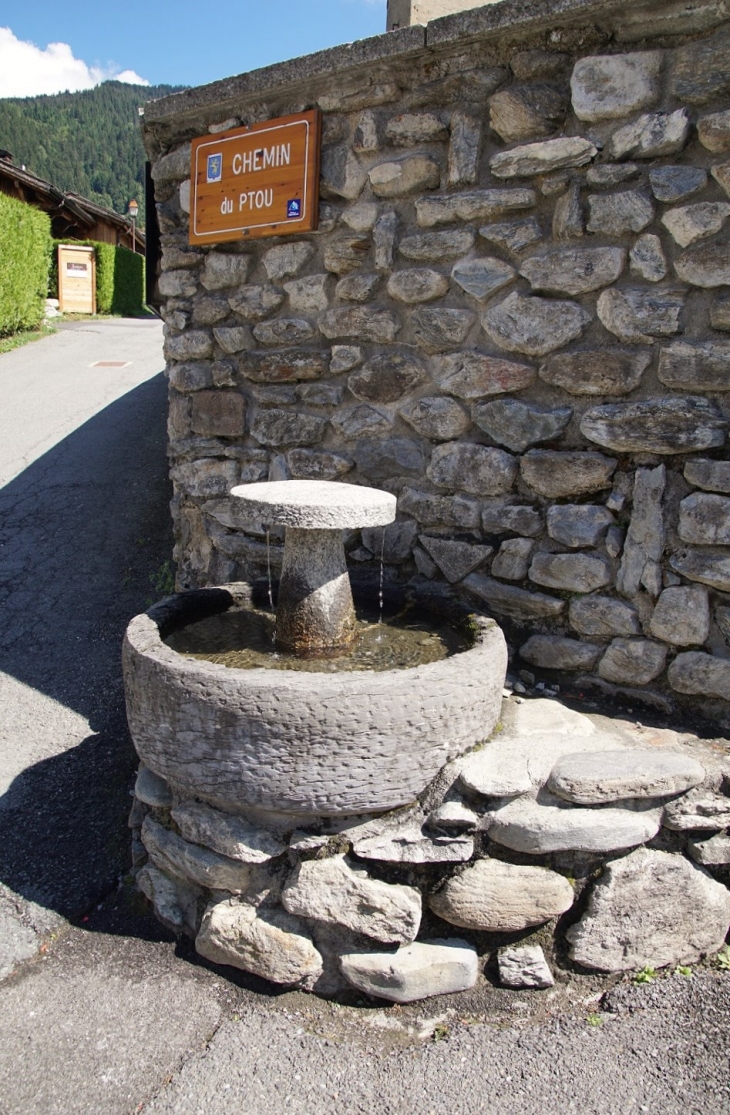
pixel 101 1012
pixel 84 525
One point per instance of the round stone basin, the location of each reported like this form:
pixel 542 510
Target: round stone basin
pixel 293 742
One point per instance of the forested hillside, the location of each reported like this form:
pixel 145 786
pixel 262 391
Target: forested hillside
pixel 88 142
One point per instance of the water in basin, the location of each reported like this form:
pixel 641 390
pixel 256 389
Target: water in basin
pixel 243 638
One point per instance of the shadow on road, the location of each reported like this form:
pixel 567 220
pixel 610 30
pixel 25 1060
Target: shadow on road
pixel 83 532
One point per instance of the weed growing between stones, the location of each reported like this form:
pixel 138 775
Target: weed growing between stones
pixel 723 959
pixel 163 579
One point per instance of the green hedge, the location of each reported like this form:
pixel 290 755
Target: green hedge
pixel 25 257
pixel 105 257
pixel 119 277
pixel 128 297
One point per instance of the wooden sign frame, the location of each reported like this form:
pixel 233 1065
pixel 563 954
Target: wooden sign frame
pixel 257 181
pixel 76 296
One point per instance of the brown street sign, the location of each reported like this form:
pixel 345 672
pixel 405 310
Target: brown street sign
pixel 257 181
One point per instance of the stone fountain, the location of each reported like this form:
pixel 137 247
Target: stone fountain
pixel 322 829
pixel 279 740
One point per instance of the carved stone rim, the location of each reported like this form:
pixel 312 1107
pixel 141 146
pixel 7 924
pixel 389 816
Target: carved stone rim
pixel 146 633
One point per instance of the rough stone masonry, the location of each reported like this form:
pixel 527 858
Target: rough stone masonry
pixel 514 316
pixel 556 835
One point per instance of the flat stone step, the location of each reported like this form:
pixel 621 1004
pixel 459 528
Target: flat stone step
pixel 605 776
pixel 228 835
pixel 700 809
pixel 507 767
pixel 334 892
pixel 270 943
pixel 453 815
pixel 713 851
pixel 526 825
pixel 650 909
pixel 170 853
pixel 151 789
pixel 413 845
pixel 402 837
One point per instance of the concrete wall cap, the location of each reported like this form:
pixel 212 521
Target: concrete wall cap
pixel 487 23
pixel 240 88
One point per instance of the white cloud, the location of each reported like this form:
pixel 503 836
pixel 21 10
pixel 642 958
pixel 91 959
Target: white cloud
pixel 129 77
pixel 28 71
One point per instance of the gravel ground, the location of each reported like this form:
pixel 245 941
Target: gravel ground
pixel 660 1049
pixel 113 1017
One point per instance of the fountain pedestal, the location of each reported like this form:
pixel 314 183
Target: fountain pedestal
pixel 315 613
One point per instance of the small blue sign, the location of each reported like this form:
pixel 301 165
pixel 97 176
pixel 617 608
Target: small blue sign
pixel 294 207
pixel 215 168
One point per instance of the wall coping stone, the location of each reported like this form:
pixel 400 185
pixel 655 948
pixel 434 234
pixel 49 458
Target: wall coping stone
pixel 612 15
pixel 283 76
pixel 487 23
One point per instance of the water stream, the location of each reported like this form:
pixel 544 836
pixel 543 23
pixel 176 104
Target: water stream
pixel 269 583
pixel 382 576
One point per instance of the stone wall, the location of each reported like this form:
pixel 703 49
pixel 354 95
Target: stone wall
pixel 514 316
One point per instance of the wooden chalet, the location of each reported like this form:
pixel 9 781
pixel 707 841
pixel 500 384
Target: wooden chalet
pixel 72 217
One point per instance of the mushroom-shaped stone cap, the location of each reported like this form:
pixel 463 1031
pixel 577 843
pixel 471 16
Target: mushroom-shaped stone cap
pixel 315 504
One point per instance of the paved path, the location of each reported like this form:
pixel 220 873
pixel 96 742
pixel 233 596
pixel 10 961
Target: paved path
pixel 51 387
pixel 101 1013
pixel 83 526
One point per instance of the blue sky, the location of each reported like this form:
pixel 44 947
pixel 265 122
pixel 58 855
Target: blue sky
pixel 166 41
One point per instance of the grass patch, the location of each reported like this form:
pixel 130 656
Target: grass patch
pixel 723 959
pixel 24 337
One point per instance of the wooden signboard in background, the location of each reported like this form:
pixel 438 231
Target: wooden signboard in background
pixel 76 279
pixel 257 181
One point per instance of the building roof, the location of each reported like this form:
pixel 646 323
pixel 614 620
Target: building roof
pixel 70 213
